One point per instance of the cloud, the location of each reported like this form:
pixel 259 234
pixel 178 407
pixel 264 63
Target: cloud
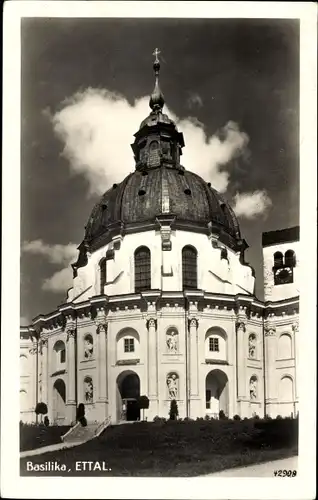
pixel 60 281
pixel 194 100
pixel 64 255
pixel 97 126
pixel 56 254
pixel 252 205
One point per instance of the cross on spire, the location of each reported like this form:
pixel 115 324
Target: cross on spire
pixel 156 54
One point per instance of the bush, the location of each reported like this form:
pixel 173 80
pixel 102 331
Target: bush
pixel 207 417
pixel 159 419
pixel 83 421
pixel 173 412
pixel 41 409
pixel 80 412
pixel 279 417
pixel 222 415
pixel 237 417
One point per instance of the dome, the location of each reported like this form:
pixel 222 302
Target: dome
pixel 159 188
pixel 143 197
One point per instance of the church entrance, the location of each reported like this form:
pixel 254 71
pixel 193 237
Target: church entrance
pixel 128 392
pixel 216 393
pixel 59 407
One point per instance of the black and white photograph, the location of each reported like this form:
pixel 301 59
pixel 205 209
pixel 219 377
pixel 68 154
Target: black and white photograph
pixel 162 271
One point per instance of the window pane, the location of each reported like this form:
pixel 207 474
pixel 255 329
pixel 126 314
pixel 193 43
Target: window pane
pixel 142 270
pixel 62 356
pixel 189 268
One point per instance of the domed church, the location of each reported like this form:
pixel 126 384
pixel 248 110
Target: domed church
pixel 163 303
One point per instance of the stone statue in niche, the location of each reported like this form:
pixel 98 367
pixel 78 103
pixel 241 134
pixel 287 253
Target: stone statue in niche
pixel 252 346
pixel 172 341
pixel 88 348
pixel 172 384
pixel 89 391
pixel 253 389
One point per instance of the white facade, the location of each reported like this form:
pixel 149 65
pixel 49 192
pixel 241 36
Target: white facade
pixel 214 348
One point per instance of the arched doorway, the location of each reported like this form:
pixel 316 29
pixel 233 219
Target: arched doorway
pixel 128 392
pixel 59 401
pixel 216 393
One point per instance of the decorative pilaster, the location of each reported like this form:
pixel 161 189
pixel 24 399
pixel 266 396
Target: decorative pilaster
pixel 295 328
pixel 241 355
pixel 194 382
pixel 270 358
pixel 101 332
pixel 44 345
pixel 71 366
pixel 152 358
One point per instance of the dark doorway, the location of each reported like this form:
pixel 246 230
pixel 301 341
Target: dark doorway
pixel 129 388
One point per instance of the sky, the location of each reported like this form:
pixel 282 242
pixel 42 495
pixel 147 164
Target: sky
pixel 231 85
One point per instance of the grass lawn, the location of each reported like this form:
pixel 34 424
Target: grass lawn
pixel 185 448
pixel 36 436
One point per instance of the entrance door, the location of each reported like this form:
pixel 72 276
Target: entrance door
pixel 129 389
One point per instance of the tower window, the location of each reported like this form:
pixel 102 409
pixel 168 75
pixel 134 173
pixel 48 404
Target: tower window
pixel 224 254
pixel 278 259
pixel 290 258
pixel 214 344
pixel 102 271
pixel 189 268
pixel 142 269
pixel 154 157
pixel 62 355
pixel 129 345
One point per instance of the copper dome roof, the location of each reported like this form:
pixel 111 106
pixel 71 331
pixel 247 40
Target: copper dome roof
pixel 159 188
pixel 142 197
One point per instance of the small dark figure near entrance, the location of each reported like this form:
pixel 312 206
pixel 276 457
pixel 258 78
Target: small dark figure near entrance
pixel 46 421
pixel 222 415
pixel 174 412
pixel 80 415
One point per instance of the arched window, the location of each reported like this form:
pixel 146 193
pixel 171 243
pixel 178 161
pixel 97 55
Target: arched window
pixel 224 254
pixel 59 348
pixel 142 269
pixel 189 268
pixel 88 346
pixel 285 346
pixel 102 275
pixel 278 259
pixel 286 389
pixel 154 157
pixel 290 258
pixel 88 390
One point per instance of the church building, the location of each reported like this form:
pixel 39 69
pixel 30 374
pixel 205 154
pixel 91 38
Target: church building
pixel 163 304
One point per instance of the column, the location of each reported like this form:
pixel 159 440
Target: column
pixel 193 326
pixel 195 402
pixel 70 390
pixel 45 371
pixel 241 355
pixel 152 367
pixel 295 327
pixel 270 369
pixel 102 400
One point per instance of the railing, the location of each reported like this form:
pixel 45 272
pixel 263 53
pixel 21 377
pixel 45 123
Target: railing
pixel 102 426
pixel 76 426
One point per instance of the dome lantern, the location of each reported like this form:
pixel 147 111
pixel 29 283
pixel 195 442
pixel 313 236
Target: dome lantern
pixel 157 142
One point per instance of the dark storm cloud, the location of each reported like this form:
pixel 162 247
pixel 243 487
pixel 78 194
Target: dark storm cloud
pixel 246 71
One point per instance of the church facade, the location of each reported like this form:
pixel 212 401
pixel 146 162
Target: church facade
pixel 163 304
